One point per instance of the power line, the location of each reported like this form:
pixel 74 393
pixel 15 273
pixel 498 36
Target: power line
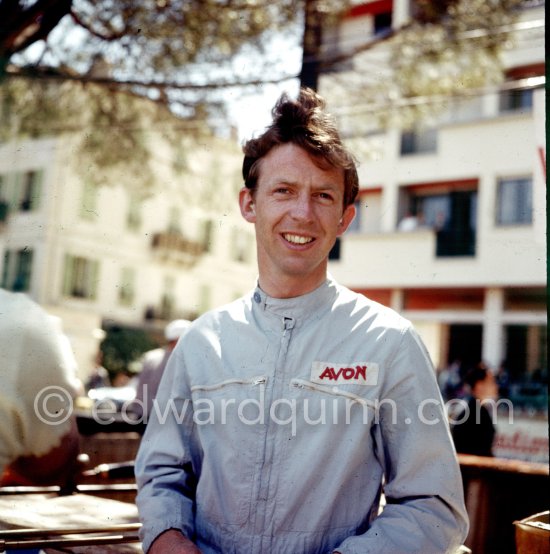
pixel 519 84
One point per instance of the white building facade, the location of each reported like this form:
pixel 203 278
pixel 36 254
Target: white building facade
pixel 103 256
pixel 451 225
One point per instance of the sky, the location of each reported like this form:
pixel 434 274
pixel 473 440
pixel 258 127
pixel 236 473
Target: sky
pixel 251 113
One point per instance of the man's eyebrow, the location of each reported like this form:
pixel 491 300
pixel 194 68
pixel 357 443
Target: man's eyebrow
pixel 284 181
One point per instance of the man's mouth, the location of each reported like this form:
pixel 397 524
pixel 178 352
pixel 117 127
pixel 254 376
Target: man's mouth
pixel 297 239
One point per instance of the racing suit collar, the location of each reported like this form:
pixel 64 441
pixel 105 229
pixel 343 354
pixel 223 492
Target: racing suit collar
pixel 299 307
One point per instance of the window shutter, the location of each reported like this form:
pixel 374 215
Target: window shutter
pixel 67 275
pixel 36 190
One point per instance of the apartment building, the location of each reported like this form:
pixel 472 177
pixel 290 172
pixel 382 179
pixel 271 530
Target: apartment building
pixel 98 256
pixel 451 215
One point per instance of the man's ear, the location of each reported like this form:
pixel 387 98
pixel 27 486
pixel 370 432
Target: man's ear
pixel 346 219
pixel 246 203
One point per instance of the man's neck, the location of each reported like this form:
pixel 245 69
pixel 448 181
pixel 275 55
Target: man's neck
pixel 290 288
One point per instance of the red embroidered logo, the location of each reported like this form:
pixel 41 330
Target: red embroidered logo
pixel 347 373
pixel 360 373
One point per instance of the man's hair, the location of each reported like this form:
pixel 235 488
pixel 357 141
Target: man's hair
pixel 304 123
pixel 475 375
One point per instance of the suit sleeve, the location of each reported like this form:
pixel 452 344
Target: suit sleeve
pixel 165 472
pixel 425 510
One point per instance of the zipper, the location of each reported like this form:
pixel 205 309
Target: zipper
pixel 334 391
pixel 261 380
pixel 266 468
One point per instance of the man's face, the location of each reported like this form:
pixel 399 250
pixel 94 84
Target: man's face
pixel 298 212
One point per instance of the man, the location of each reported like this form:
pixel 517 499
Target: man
pixel 287 409
pixel 153 365
pixel 474 431
pixel 38 434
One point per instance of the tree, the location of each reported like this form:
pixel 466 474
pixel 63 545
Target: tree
pixel 122 346
pixel 166 49
pixel 409 73
pixel 183 55
pixel 81 64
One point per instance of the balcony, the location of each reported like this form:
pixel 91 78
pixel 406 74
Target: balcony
pixel 410 259
pixel 174 247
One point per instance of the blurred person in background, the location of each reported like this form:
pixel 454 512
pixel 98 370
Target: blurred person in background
pixel 474 430
pixel 153 364
pixel 39 440
pixel 99 376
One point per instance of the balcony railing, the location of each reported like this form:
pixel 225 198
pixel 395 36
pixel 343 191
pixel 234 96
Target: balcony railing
pixel 173 246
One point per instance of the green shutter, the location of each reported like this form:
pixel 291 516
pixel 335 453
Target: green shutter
pixel 36 190
pixel 6 270
pixel 94 278
pixel 15 197
pixel 68 271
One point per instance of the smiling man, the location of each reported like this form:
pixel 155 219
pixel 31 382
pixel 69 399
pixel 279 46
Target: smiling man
pixel 298 212
pixel 282 417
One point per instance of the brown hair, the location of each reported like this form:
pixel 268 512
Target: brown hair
pixel 304 123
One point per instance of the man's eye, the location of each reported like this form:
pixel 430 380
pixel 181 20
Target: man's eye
pixel 282 190
pixel 325 196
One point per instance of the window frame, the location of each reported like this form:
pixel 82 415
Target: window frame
pixel 517 218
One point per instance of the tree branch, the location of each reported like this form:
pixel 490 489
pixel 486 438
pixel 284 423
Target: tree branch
pixel 80 22
pixel 22 27
pixel 51 73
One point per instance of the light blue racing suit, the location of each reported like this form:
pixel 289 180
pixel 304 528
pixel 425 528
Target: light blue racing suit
pixel 277 421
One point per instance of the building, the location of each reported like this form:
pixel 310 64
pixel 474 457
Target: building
pixel 98 256
pixel 451 223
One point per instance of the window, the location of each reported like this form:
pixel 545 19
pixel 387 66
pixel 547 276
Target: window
pixel 133 216
pixel 17 270
pixel 516 100
pixel 88 207
pixel 80 277
pixel 4 206
pixel 382 22
pixel 29 190
pixel 519 99
pixel 21 191
pixel 418 141
pixel 368 210
pixel 515 201
pixel 126 288
pixel 453 216
pixel 207 235
pixel 168 300
pixel 334 253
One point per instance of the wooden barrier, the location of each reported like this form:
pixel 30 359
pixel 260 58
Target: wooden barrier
pixel 499 492
pixel 75 523
pixel 107 448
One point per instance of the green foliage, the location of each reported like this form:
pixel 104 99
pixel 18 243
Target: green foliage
pixel 110 132
pixel 122 346
pixel 452 49
pixel 178 52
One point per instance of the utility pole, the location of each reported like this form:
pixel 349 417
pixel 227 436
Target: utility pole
pixel 313 32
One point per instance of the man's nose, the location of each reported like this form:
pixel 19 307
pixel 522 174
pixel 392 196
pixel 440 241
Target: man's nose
pixel 302 209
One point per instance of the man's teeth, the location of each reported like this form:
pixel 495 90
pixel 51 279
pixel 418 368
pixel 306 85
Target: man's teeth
pixel 297 239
